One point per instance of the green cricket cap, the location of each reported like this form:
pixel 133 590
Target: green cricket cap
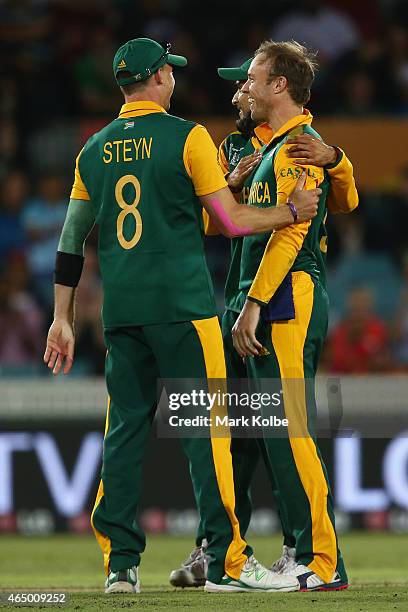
pixel 142 57
pixel 236 74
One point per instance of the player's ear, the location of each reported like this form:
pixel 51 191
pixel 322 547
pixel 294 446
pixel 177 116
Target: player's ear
pixel 158 76
pixel 280 84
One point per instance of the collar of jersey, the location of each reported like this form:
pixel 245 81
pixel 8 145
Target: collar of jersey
pixel 304 119
pixel 263 133
pixel 140 108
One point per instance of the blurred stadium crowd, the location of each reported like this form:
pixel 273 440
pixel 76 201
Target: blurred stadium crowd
pixel 56 74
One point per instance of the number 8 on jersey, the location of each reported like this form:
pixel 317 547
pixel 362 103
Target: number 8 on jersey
pixel 128 209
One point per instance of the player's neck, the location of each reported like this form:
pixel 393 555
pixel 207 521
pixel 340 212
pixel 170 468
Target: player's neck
pixel 280 115
pixel 147 95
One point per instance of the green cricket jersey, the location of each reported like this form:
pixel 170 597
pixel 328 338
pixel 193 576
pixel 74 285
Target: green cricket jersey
pixel 143 180
pixel 275 178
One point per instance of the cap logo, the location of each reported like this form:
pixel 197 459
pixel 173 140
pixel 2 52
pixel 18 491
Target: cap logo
pixel 122 64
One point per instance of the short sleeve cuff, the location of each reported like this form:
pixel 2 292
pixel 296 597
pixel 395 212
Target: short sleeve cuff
pixel 211 188
pixel 79 194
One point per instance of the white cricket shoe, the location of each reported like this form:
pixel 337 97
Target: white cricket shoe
pixel 255 577
pixel 286 562
pixel 125 581
pixel 309 581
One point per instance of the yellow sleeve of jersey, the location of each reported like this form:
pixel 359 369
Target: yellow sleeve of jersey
pixel 285 244
pixel 79 191
pixel 342 196
pixel 222 158
pixel 210 228
pixel 200 160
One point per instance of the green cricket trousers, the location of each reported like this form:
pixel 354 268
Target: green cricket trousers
pixel 136 358
pixel 246 452
pixel 294 348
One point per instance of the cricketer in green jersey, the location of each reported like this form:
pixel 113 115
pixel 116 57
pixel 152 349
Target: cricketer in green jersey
pixel 144 179
pixel 238 161
pixel 288 347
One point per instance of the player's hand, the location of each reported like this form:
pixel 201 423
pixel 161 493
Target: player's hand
pixel 243 332
pixel 60 347
pixel 308 150
pixel 305 200
pixel 244 168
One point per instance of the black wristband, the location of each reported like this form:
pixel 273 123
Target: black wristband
pixel 68 269
pixel 337 160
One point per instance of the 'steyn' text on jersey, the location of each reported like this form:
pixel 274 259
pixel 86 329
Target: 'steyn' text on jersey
pixel 128 150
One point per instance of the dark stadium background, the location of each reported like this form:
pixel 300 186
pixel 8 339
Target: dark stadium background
pixel 56 88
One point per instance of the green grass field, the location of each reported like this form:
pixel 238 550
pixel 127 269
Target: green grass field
pixel 377 565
